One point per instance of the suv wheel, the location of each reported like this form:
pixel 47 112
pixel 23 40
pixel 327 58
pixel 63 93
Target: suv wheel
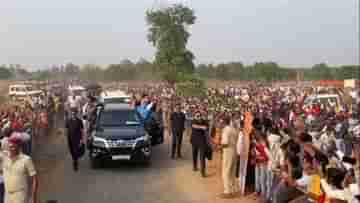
pixel 94 163
pixel 147 161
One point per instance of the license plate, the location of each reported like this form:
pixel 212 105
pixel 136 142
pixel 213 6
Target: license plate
pixel 121 157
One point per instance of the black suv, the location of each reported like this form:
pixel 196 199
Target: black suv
pixel 119 135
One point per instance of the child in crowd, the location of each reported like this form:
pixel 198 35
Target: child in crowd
pixel 261 152
pixel 284 192
pixel 275 157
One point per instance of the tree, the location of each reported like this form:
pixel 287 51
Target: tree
pixel 126 62
pixel 91 72
pixel 168 34
pixel 144 70
pixel 222 72
pixel 188 85
pixel 42 75
pixel 72 70
pixel 321 71
pixel 349 72
pixel 113 72
pixel 5 73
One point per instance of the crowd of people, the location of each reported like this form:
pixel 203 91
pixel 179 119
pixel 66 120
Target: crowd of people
pixel 269 138
pixel 22 123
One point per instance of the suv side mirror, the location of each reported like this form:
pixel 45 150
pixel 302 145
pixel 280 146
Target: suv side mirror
pixel 100 106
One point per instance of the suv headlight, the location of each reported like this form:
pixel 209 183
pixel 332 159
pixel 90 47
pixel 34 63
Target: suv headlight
pixel 99 142
pixel 143 140
pixel 146 137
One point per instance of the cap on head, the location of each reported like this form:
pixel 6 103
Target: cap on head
pixel 15 141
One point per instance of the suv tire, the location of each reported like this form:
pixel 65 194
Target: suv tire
pixel 94 163
pixel 147 162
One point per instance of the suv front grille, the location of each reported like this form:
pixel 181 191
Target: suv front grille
pixel 117 151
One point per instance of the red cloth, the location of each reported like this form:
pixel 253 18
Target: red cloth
pixel 261 157
pixel 14 141
pixel 322 199
pixel 44 120
pixel 16 125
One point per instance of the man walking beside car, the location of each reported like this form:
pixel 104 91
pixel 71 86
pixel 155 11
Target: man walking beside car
pixel 177 128
pixel 75 137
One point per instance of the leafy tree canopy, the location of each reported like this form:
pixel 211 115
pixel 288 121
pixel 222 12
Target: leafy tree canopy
pixel 169 35
pixel 5 73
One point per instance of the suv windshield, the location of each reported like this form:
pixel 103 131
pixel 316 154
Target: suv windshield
pixel 118 118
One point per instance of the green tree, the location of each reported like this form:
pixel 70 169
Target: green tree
pixel 91 72
pixel 113 72
pixel 189 85
pixel 5 73
pixel 42 75
pixel 349 72
pixel 169 35
pixel 321 72
pixel 223 72
pixel 72 70
pixel 144 70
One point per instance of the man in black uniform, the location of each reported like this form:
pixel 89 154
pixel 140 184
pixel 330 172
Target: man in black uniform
pixel 199 142
pixel 177 126
pixel 75 136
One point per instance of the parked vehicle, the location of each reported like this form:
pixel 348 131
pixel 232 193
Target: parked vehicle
pixel 21 91
pixel 78 91
pixel 114 97
pixel 324 99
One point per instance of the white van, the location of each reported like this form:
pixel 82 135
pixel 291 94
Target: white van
pixel 77 90
pixel 325 99
pixel 21 91
pixel 114 97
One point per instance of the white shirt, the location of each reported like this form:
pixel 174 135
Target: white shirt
pixel 74 102
pixel 304 181
pixel 85 108
pixel 347 194
pixel 274 151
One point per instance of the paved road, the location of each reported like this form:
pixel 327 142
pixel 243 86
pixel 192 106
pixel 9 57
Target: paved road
pixel 165 181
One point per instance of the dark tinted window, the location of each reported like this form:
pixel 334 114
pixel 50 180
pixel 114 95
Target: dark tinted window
pixel 118 118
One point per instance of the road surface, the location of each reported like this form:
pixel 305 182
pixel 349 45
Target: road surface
pixel 165 181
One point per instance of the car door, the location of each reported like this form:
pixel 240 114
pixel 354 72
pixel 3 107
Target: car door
pixel 155 128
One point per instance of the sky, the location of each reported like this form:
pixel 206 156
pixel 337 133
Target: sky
pixel 40 33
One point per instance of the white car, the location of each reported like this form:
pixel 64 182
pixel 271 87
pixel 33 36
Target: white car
pixel 114 97
pixel 77 90
pixel 331 99
pixel 21 91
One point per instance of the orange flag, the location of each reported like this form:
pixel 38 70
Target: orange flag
pixel 248 123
